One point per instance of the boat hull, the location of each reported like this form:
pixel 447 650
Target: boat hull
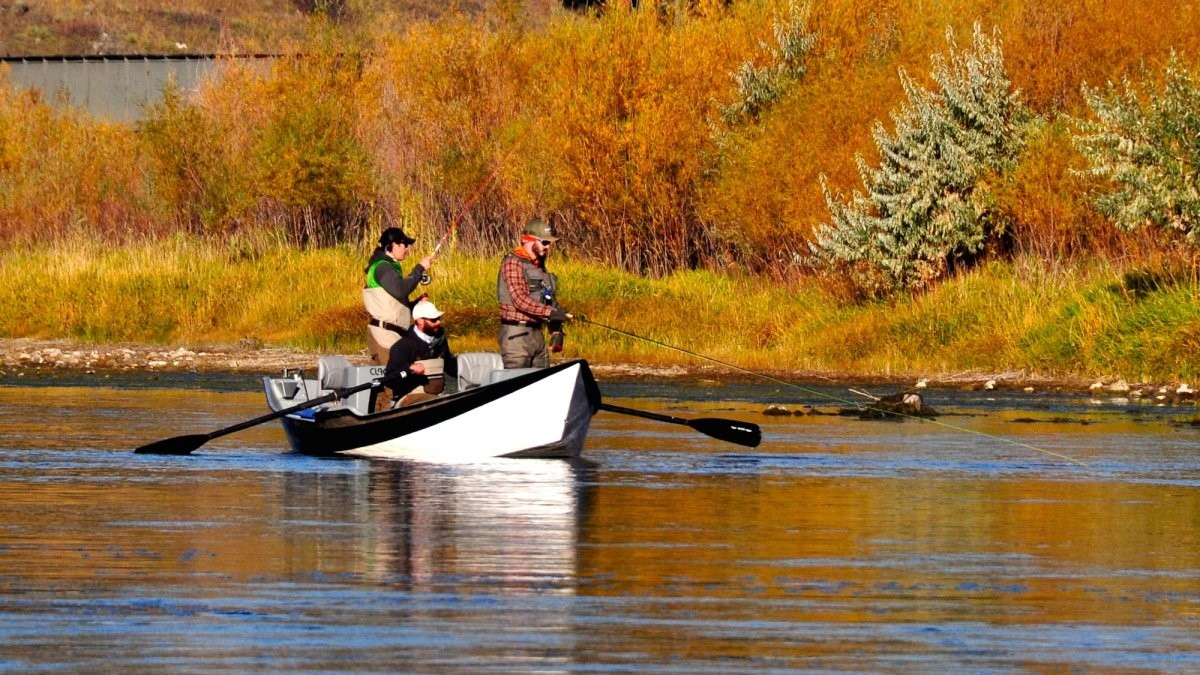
pixel 542 413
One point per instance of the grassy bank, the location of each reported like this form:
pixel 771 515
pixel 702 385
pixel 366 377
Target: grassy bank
pixel 1082 321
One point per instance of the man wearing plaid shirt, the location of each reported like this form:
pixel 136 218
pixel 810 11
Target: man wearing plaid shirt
pixel 526 292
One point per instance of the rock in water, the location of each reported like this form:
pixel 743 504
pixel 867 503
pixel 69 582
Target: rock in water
pixel 897 406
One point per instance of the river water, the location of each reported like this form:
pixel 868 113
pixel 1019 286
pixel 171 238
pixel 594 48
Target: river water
pixel 1018 532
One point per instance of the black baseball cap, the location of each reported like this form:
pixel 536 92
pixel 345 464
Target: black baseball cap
pixel 395 235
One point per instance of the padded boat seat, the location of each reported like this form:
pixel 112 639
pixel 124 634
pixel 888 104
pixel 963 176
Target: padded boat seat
pixel 475 369
pixel 336 372
pixel 333 372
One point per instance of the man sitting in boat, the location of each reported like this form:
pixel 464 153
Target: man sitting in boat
pixel 425 353
pixel 527 295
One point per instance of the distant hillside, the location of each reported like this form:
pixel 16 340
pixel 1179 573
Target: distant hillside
pixel 68 27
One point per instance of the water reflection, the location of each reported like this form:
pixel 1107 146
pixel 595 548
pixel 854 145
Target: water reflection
pixel 513 524
pixel 77 503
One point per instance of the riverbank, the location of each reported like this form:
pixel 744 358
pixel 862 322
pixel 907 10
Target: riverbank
pixel 25 358
pixel 192 305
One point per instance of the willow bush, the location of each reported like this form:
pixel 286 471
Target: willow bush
pixel 602 121
pixel 192 155
pixel 1053 48
pixel 622 135
pixel 1143 147
pixel 444 112
pixel 761 86
pixel 311 169
pixel 62 172
pixel 275 147
pixel 925 208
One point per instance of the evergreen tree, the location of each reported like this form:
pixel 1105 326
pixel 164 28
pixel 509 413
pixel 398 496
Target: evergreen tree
pixel 1147 153
pixel 924 209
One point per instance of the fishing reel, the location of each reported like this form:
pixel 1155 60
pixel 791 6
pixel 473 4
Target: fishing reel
pixel 425 278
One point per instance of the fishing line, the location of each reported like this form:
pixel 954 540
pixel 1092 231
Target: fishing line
pixel 584 319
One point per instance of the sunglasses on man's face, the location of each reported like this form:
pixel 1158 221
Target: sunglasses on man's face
pixel 546 242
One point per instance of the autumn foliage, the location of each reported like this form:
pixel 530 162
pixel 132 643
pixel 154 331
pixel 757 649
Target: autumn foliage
pixel 611 124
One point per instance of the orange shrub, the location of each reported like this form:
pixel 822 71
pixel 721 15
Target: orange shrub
pixel 442 113
pixel 1053 48
pixel 767 195
pixel 623 122
pixel 272 145
pixel 62 172
pixel 1045 203
pixel 603 122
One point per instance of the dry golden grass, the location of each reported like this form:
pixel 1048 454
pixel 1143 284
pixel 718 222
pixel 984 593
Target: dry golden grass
pixel 1087 320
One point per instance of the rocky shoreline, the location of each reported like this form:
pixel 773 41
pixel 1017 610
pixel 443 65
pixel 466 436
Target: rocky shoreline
pixel 31 358
pixel 23 357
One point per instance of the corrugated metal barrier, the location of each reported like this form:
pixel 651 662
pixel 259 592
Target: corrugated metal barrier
pixel 112 87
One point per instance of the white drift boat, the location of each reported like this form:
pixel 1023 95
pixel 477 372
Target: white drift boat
pixel 496 413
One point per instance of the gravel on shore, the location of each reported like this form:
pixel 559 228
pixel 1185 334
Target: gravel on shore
pixel 30 358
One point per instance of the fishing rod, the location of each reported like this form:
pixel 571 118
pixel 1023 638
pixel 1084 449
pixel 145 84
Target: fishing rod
pixel 584 319
pixel 452 229
pixel 425 278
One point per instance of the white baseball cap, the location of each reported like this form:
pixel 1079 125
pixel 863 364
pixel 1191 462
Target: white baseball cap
pixel 426 310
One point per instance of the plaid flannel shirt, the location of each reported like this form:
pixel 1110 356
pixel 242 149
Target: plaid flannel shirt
pixel 526 308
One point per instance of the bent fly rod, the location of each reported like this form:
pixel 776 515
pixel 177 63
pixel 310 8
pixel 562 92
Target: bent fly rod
pixel 584 319
pixel 452 229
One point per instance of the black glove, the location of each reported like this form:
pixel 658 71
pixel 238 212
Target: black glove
pixel 559 315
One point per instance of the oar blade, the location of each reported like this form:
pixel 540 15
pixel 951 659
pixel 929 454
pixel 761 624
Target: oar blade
pixel 179 445
pixel 733 431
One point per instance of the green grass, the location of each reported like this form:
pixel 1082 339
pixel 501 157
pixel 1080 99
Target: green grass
pixel 1019 316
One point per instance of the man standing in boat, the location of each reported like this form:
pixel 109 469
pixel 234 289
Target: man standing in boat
pixel 425 353
pixel 528 300
pixel 387 290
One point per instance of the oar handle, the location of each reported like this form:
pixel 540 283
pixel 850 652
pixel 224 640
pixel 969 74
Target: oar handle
pixel 183 445
pixel 275 415
pixel 311 403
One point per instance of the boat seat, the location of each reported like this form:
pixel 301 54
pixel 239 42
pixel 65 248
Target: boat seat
pixel 336 372
pixel 475 369
pixel 333 372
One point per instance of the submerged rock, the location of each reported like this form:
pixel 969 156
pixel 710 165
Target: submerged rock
pixel 895 406
pixel 780 411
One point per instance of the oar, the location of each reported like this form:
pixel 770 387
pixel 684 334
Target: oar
pixel 742 433
pixel 183 445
